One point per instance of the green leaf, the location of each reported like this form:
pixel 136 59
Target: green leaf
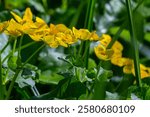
pixel 62 86
pixel 147 96
pixel 50 77
pixel 124 35
pixel 12 62
pixel 100 84
pixel 92 63
pixel 91 73
pixel 112 96
pixel 75 89
pixel 147 37
pixel 80 74
pixel 124 84
pixel 139 25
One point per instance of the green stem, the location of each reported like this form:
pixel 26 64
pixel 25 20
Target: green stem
pixel 19 70
pixel 33 54
pixel 86 51
pixel 22 47
pixel 14 46
pixel 98 69
pixel 4 47
pixel 115 38
pixel 19 48
pixel 75 19
pixel 89 25
pixel 81 49
pixel 135 45
pixel 1 81
pixel 12 83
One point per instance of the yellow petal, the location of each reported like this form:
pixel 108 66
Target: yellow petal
pixel 35 37
pixel 3 26
pixel 118 61
pixel 82 34
pixel 53 29
pixel 128 69
pixel 17 18
pixel 28 15
pixel 51 41
pixel 61 27
pixel 102 53
pixel 105 40
pixel 144 74
pixel 13 28
pixel 39 20
pixel 94 37
pixel 117 46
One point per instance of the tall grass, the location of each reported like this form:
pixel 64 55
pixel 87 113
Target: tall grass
pixel 134 43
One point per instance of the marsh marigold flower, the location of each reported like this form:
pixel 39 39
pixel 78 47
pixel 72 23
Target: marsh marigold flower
pixel 103 53
pixel 3 26
pixel 59 35
pixel 26 23
pixel 13 28
pixel 85 34
pixel 40 30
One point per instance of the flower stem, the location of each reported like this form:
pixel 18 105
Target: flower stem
pixel 122 27
pixel 134 43
pixel 19 70
pixel 89 25
pixel 22 47
pixel 33 54
pixel 4 47
pixel 12 83
pixel 1 80
pixel 14 46
pixel 19 48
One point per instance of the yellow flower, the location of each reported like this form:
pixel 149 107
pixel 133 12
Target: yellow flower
pixel 105 40
pixel 54 29
pixel 145 71
pixel 82 34
pixel 59 35
pixel 40 23
pixel 118 61
pixel 103 53
pixel 13 28
pixel 51 41
pixel 3 26
pixel 94 36
pixel 117 47
pixel 65 38
pixel 128 69
pixel 128 66
pixel 61 27
pixel 27 25
pixel 113 54
pixel 41 29
pixel 26 18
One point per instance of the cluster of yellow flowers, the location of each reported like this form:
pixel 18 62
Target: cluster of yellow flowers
pixel 115 56
pixel 38 30
pixel 60 35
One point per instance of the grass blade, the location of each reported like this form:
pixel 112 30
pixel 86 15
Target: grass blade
pixel 134 43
